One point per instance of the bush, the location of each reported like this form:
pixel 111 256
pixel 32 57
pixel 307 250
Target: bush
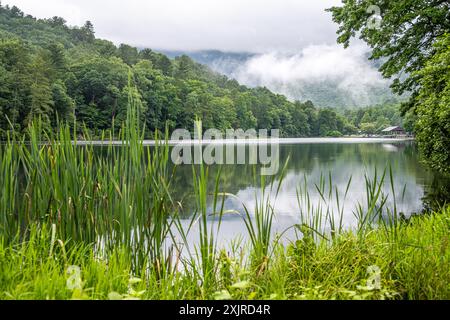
pixel 334 133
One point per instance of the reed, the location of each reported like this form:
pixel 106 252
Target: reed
pixel 122 198
pixel 259 221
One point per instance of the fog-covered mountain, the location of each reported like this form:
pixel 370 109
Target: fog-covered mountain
pixel 328 75
pixel 224 62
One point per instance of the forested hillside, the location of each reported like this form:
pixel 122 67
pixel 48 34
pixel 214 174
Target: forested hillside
pixel 324 91
pixel 53 71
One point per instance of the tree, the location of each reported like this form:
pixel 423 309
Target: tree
pixel 334 134
pixel 15 71
pixel 63 103
pixel 88 30
pixel 224 112
pixel 300 121
pixel 57 58
pixel 85 33
pixel 244 116
pixel 105 48
pixel 433 108
pixel 41 92
pixel 184 67
pixel 164 64
pixel 409 121
pixel 58 71
pixel 349 129
pixel 146 54
pixel 382 122
pixel 57 22
pixel 130 91
pixel 15 11
pixel 406 40
pixel 368 127
pixel 97 83
pixel 405 36
pixel 159 61
pixel 311 113
pixel 128 54
pixel 326 121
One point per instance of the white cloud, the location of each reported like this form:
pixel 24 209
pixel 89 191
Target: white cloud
pixel 313 63
pixel 347 69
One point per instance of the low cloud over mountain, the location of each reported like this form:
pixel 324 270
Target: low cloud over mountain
pixel 328 75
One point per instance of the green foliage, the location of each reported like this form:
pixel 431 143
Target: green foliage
pixel 327 122
pixel 128 54
pixel 84 34
pixel 40 91
pixel 334 133
pixel 407 32
pixel 411 42
pixel 373 119
pixel 433 108
pixel 415 267
pixel 63 104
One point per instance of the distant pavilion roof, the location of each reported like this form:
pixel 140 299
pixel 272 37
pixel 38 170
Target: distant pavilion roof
pixel 394 128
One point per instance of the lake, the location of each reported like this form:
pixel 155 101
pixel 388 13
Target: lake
pixel 311 161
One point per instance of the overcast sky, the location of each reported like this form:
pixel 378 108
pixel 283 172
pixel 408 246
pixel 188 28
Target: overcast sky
pixel 229 25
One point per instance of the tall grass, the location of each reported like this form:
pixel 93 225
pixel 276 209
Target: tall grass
pixel 259 222
pixel 120 199
pixel 326 216
pixel 324 219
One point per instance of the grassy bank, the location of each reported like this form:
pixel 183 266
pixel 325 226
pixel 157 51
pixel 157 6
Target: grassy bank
pixel 415 266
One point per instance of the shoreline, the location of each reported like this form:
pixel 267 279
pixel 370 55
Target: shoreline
pixel 316 140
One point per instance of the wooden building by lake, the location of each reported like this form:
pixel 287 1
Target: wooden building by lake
pixel 394 131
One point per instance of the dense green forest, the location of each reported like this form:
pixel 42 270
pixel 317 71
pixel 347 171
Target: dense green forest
pixel 53 71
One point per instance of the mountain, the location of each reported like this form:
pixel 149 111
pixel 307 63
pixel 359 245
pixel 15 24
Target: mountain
pixel 357 83
pixel 223 62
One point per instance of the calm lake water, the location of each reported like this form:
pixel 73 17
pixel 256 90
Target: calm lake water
pixel 416 188
pixel 312 161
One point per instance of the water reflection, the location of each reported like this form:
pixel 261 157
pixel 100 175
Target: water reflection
pixel 311 160
pixel 415 187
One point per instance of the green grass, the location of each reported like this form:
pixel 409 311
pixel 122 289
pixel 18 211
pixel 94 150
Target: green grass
pixel 417 266
pixel 78 224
